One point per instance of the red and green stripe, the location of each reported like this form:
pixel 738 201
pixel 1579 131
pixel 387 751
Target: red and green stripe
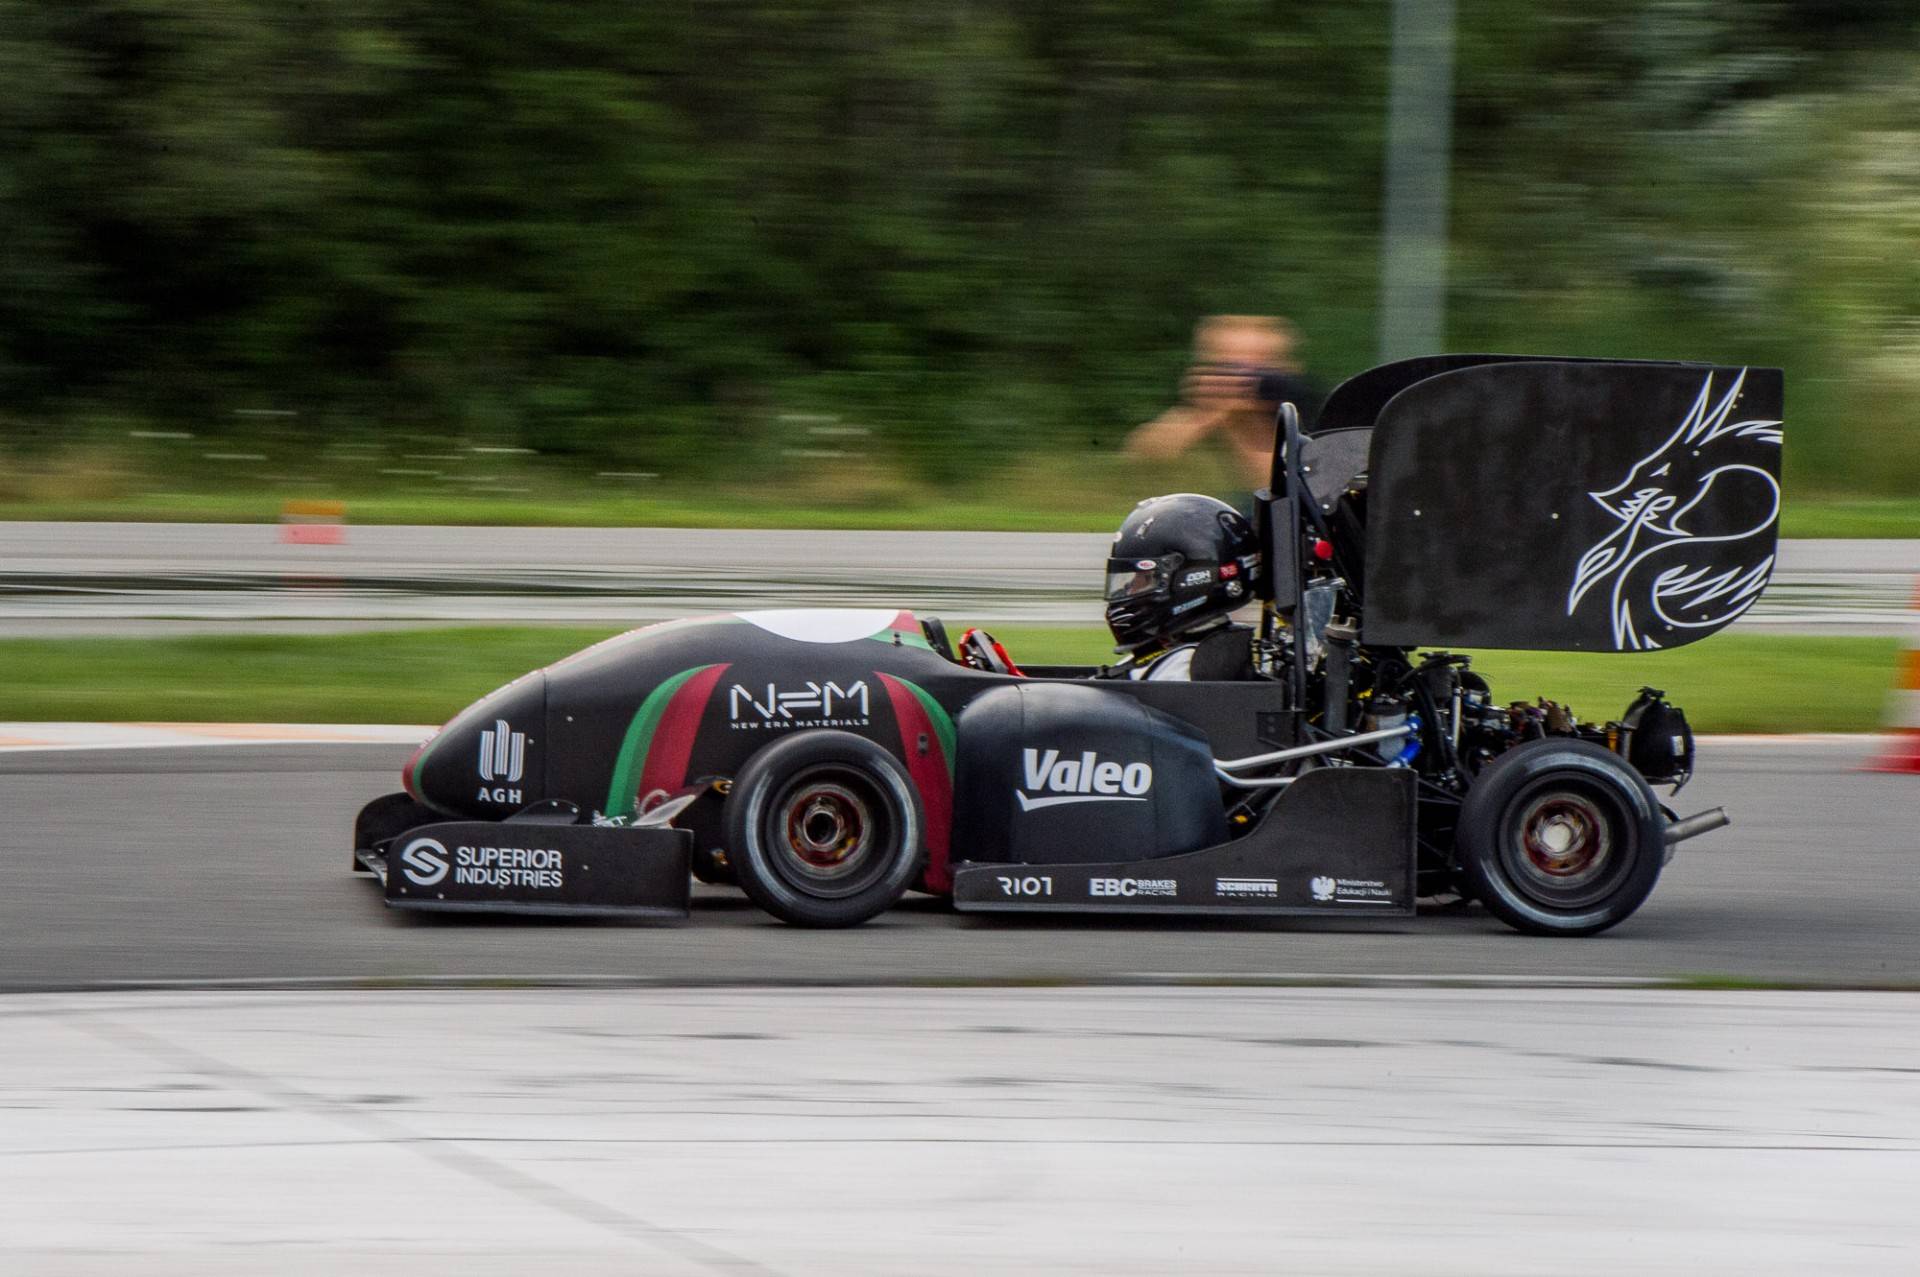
pixel 410 774
pixel 920 716
pixel 903 631
pixel 658 745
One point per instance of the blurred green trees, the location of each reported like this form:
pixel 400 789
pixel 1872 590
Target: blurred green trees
pixel 657 235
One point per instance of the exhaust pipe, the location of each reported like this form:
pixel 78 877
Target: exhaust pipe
pixel 1693 826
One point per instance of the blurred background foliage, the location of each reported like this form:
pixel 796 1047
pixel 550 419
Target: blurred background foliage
pixel 862 249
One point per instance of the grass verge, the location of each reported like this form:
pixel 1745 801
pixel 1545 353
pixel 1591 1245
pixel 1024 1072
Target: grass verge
pixel 1734 683
pixel 588 510
pixel 1088 491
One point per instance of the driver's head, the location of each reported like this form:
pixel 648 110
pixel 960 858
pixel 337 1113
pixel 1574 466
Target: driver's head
pixel 1178 564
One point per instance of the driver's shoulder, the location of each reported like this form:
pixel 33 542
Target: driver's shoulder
pixel 1176 663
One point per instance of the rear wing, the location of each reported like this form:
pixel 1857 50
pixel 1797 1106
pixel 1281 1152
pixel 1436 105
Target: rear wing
pixel 1562 504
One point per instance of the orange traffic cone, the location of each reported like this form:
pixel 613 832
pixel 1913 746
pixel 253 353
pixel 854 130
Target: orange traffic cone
pixel 1904 753
pixel 313 523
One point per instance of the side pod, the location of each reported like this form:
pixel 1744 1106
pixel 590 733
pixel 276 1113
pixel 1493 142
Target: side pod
pixel 1338 841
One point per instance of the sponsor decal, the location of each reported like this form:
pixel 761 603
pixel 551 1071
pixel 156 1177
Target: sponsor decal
pixel 533 868
pixel 1144 565
pixel 1188 606
pixel 811 704
pixel 424 861
pixel 1229 570
pixel 503 757
pixel 503 753
pixel 1197 576
pixel 1248 888
pixel 1349 891
pixel 1131 887
pixel 1053 781
pixel 1031 885
pixel 1655 571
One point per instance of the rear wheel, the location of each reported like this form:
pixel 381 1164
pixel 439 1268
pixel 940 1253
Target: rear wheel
pixel 824 829
pixel 1560 837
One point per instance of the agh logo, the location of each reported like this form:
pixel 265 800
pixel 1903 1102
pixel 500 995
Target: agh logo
pixel 1052 780
pixel 503 757
pixel 814 704
pixel 424 861
pixel 1133 887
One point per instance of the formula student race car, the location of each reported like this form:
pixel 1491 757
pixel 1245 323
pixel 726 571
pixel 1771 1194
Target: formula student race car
pixel 830 761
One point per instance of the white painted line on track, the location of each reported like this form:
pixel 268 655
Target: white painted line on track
pixel 1792 738
pixel 58 737
pixel 1407 980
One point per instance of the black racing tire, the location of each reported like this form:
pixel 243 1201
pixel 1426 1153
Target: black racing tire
pixel 824 829
pixel 1560 837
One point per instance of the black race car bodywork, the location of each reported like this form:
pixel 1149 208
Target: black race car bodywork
pixel 828 761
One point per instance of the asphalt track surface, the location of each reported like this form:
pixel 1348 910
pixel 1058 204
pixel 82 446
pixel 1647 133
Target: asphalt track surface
pixel 231 864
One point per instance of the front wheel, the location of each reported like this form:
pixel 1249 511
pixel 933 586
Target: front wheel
pixel 1560 837
pixel 824 829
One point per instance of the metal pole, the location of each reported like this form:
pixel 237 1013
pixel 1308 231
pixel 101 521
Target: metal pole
pixel 1413 241
pixel 1308 751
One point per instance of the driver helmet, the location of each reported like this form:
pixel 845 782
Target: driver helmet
pixel 1178 564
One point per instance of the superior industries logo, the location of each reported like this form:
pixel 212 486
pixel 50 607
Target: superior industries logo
pixel 1053 781
pixel 810 705
pixel 427 861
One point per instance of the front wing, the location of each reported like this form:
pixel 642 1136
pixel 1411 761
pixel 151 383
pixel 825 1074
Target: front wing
pixel 537 865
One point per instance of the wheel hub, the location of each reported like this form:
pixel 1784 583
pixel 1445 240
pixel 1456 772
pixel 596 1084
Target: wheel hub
pixel 828 828
pixel 1565 837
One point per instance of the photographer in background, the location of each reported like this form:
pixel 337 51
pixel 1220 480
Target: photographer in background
pixel 1243 369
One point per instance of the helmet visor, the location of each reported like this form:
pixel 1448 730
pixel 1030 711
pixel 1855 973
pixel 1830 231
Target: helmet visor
pixel 1139 578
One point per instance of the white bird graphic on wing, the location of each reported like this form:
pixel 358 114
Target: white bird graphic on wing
pixel 1675 555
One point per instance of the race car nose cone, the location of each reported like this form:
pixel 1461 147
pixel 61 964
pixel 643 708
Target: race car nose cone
pixel 490 760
